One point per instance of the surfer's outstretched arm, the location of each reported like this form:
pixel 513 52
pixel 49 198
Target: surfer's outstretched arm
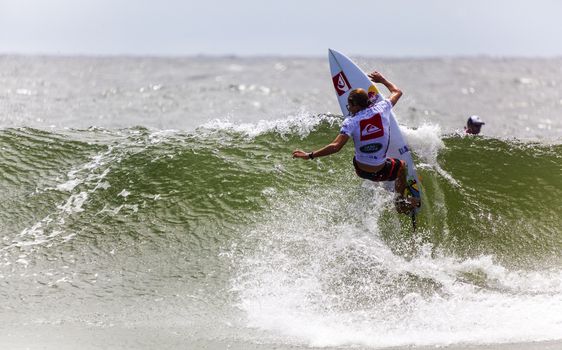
pixel 332 148
pixel 395 92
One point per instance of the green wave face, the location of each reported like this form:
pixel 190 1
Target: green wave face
pixel 504 200
pixel 481 196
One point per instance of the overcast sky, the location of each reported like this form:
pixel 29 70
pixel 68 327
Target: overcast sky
pixel 282 27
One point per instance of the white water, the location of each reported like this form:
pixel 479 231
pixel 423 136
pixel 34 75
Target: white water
pixel 320 277
pixel 318 273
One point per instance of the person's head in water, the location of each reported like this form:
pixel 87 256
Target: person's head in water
pixel 357 100
pixel 473 125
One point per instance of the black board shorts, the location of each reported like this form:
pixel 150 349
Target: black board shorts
pixel 389 172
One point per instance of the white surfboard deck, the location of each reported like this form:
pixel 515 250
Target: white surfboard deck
pixel 346 76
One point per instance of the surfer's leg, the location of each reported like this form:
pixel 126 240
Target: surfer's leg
pixel 403 204
pixel 400 182
pixel 394 170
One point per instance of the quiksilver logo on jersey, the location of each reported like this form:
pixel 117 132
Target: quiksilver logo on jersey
pixel 341 84
pixel 370 129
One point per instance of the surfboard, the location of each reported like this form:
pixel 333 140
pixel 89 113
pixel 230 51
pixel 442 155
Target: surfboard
pixel 346 76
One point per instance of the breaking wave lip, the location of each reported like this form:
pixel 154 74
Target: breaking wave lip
pixel 426 141
pixel 302 124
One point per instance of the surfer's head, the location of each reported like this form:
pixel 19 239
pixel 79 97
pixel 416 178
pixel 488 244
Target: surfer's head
pixel 473 125
pixel 357 100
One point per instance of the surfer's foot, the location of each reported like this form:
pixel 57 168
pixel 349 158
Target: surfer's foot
pixel 404 205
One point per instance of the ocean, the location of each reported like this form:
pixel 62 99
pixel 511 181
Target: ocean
pixel 153 203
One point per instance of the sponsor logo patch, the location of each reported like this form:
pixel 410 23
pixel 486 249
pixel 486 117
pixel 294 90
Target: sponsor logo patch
pixel 403 150
pixel 371 128
pixel 373 92
pixel 371 148
pixel 341 84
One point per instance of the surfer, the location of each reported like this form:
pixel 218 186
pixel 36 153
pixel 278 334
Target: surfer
pixel 369 126
pixel 473 125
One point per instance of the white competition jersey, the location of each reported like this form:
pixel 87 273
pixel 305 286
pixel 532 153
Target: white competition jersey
pixel 370 130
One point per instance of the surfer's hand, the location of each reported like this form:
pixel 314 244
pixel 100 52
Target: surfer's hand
pixel 376 77
pixel 300 154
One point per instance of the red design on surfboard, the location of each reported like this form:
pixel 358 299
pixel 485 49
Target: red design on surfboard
pixel 341 84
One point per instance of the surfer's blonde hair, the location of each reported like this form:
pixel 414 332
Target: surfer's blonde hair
pixel 358 97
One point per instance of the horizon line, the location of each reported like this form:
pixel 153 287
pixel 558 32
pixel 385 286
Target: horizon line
pixel 268 56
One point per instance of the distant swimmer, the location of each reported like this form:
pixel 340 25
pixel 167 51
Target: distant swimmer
pixel 369 126
pixel 473 125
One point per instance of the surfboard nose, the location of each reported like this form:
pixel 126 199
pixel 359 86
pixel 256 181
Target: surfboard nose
pixel 334 53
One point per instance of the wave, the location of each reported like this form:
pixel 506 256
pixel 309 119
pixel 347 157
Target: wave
pixel 489 195
pixel 314 253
